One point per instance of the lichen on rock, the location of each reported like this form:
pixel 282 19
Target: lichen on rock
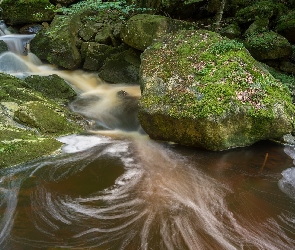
pixel 200 89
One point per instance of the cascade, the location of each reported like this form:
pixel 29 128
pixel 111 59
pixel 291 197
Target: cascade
pixel 16 43
pixel 114 188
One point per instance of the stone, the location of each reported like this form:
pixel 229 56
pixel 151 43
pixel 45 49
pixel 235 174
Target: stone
pixel 268 45
pixel 29 122
pixel 122 67
pixel 142 30
pixel 3 47
pixel 260 25
pixel 202 90
pixel 57 44
pixel 52 86
pixel 286 26
pixel 24 12
pixel 94 54
pixel 231 31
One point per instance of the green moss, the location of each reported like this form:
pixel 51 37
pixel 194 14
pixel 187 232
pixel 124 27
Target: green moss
pixel 261 9
pixel 28 11
pixel 20 151
pixel 286 21
pixel 220 74
pixel 48 119
pixel 52 86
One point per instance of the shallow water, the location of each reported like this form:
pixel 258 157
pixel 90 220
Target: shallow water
pixel 114 188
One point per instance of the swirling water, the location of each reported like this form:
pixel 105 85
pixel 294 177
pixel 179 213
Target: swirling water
pixel 114 188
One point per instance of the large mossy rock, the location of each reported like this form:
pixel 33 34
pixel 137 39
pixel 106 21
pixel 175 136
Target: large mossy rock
pixel 57 44
pixel 260 9
pixel 29 11
pixel 286 26
pixel 141 30
pixel 202 90
pixel 30 121
pixel 52 86
pixel 268 45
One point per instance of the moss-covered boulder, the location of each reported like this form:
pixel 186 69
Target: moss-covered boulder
pixel 122 67
pixel 260 25
pixel 142 30
pixel 28 11
pixel 286 26
pixel 30 121
pixel 200 89
pixel 94 54
pixel 268 45
pixel 52 86
pixel 57 44
pixel 260 9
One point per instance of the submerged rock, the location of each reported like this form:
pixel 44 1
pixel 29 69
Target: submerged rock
pixel 202 90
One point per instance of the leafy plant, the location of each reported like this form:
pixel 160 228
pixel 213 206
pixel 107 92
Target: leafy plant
pixel 98 5
pixel 225 46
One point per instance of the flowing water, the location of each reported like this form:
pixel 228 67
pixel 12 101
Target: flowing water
pixel 114 188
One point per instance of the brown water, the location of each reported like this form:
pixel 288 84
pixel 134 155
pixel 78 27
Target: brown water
pixel 114 188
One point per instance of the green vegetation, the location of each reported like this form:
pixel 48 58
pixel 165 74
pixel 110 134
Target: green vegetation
pixel 225 46
pixel 221 76
pixel 98 5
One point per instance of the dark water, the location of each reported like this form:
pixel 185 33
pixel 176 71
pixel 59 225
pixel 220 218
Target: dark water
pixel 116 189
pixel 138 194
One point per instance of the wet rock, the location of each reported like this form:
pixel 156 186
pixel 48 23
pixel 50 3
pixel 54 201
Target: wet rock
pixel 142 30
pixel 53 87
pixel 3 47
pixel 31 29
pixel 29 122
pixel 202 90
pixel 46 118
pixel 268 45
pixel 57 44
pixel 95 54
pixel 29 11
pixel 122 67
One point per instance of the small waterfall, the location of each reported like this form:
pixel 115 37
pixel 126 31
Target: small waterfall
pixel 16 43
pixel 114 188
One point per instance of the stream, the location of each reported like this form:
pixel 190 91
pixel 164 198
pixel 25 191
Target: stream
pixel 114 188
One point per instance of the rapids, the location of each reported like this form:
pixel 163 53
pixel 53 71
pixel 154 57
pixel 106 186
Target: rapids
pixel 114 188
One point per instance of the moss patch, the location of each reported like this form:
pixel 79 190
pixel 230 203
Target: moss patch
pixel 201 78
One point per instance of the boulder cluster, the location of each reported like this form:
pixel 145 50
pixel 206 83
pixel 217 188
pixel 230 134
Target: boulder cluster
pixel 213 74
